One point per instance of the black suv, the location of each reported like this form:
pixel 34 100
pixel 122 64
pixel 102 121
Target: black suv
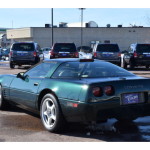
pixel 64 50
pixel 107 52
pixel 24 53
pixel 136 55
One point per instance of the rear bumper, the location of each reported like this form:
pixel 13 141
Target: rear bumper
pixel 23 61
pixel 141 62
pixel 87 112
pixel 116 61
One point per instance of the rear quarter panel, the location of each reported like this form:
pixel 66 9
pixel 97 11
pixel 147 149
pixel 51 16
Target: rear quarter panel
pixel 64 89
pixel 68 92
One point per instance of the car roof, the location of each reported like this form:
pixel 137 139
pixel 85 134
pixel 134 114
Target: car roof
pixel 107 44
pixel 65 43
pixel 23 42
pixel 26 43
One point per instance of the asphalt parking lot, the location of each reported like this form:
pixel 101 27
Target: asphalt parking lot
pixel 22 126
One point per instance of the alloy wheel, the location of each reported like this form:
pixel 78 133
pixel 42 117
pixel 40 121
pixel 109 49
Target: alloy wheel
pixel 49 113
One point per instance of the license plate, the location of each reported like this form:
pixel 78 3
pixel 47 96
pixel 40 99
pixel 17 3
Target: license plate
pixel 131 98
pixel 64 54
pixel 21 54
pixel 107 55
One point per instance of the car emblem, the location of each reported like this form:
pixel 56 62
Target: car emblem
pixel 133 86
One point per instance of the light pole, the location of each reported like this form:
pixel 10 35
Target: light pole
pixel 81 25
pixel 52 26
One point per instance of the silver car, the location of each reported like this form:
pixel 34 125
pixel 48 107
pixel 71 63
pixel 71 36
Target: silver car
pixel 108 52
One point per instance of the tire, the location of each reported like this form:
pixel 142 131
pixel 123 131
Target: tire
pixel 129 120
pixel 131 64
pixel 3 103
pixel 147 66
pixel 51 115
pixel 12 66
pixel 124 64
pixel 4 58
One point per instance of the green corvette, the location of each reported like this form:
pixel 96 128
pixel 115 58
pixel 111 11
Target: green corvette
pixel 77 90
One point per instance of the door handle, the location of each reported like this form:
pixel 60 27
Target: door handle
pixel 36 84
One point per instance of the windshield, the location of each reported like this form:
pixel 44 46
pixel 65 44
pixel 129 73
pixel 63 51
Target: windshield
pixel 96 69
pixel 107 48
pixel 65 47
pixel 143 48
pixel 23 47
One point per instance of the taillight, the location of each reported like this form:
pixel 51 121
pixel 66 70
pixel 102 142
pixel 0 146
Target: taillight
pixel 76 54
pixel 119 54
pixel 97 91
pixel 34 54
pixel 109 90
pixel 95 54
pixel 51 53
pixel 135 54
pixel 11 53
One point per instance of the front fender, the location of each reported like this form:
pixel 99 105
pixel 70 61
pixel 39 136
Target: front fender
pixel 5 81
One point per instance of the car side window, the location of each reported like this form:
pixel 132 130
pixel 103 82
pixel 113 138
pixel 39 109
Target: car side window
pixel 40 71
pixel 67 70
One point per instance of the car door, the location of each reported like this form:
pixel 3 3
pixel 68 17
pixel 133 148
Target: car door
pixel 24 91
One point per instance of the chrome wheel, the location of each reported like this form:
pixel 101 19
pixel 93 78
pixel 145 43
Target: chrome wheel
pixel 48 113
pixel 51 114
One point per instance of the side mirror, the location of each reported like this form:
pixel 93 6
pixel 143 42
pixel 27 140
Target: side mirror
pixel 21 76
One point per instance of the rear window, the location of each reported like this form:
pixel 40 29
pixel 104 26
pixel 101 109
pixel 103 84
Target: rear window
pixel 65 47
pixel 89 70
pixel 85 49
pixel 107 48
pixel 23 47
pixel 143 48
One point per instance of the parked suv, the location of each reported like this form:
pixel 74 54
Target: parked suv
pixel 64 50
pixel 137 55
pixel 107 52
pixel 24 53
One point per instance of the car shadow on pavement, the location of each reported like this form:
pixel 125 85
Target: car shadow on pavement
pixel 15 109
pixel 139 69
pixel 111 131
pixel 117 132
pixel 24 67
